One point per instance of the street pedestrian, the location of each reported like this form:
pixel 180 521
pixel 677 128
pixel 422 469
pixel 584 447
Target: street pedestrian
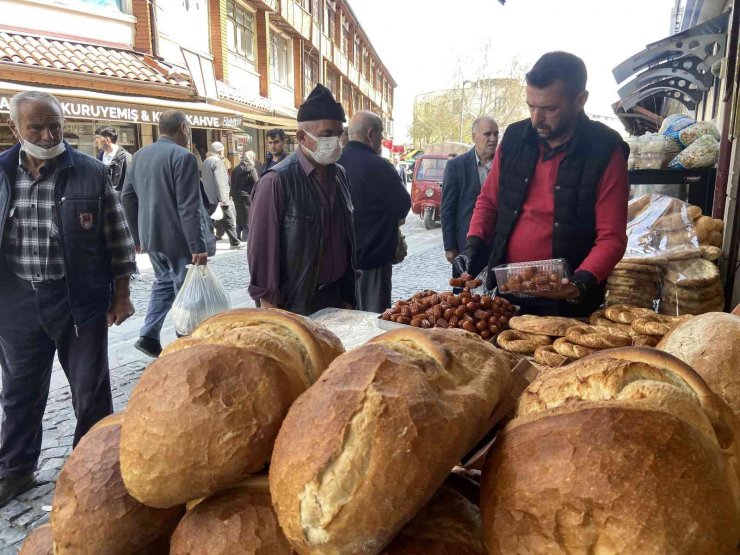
pixel 243 179
pixel 275 149
pixel 558 189
pixel 461 184
pixel 301 236
pixel 115 157
pixel 381 203
pixel 164 208
pixel 216 186
pixel 66 257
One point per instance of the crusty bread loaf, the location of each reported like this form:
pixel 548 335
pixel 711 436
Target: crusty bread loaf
pixel 626 451
pixel 448 524
pixel 302 345
pixel 200 420
pixel 92 512
pixel 367 446
pixel 710 344
pixel 239 520
pixel 38 541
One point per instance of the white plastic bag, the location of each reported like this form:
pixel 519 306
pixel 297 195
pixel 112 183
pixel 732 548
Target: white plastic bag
pixel 200 297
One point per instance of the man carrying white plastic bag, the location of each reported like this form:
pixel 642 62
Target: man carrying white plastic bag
pixel 201 296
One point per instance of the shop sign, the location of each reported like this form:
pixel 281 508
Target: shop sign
pixel 112 111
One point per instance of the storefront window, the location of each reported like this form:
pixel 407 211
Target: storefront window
pixel 280 60
pixel 240 31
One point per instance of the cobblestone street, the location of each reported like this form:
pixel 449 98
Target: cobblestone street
pixel 424 267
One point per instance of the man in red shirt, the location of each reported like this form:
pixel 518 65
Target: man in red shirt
pixel 558 189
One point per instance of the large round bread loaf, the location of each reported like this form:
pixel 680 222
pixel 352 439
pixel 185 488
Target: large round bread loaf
pixel 236 521
pixel 626 451
pixel 92 512
pixel 448 525
pixel 200 420
pixel 710 344
pixel 38 541
pixel 367 446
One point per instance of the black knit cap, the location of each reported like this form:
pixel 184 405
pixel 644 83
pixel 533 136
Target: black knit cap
pixel 320 104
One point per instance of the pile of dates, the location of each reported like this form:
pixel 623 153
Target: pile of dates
pixel 481 314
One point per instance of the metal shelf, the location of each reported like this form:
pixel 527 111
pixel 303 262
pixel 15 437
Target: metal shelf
pixel 700 183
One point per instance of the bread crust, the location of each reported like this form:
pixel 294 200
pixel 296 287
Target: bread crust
pixel 516 341
pixel 38 541
pixel 369 430
pixel 555 326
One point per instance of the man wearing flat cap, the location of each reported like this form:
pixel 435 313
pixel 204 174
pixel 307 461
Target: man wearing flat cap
pixel 301 240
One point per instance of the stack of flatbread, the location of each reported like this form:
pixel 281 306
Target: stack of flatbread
pixel 691 287
pixel 635 284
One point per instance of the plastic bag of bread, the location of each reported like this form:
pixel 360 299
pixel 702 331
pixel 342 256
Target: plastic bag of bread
pixel 690 134
pixel 655 152
pixel 674 124
pixel 200 297
pixel 660 228
pixel 364 449
pixel 92 512
pixel 702 153
pixel 599 445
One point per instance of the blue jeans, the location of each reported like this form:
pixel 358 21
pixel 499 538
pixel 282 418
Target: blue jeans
pixel 169 275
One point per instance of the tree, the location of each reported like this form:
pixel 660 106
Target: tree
pixel 442 115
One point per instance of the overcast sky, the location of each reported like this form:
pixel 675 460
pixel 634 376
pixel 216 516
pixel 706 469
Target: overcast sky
pixel 421 41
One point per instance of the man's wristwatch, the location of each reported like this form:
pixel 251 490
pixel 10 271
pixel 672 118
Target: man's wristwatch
pixel 581 292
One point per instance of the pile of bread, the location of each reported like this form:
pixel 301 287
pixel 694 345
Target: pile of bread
pixel 182 469
pixel 554 341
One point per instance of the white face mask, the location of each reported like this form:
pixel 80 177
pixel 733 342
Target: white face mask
pixel 328 149
pixel 39 152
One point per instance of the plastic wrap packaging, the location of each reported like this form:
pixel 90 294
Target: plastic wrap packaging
pixel 702 153
pixel 521 279
pixel 201 296
pixel 691 287
pixel 634 284
pixel 660 228
pixel 689 134
pixel 634 144
pixel 654 152
pixel 674 124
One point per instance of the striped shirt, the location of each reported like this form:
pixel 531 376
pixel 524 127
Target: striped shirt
pixel 31 244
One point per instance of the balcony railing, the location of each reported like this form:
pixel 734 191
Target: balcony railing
pixel 297 17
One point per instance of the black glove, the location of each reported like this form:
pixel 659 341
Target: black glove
pixel 472 260
pixel 460 264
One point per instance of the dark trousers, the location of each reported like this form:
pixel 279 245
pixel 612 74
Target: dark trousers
pixel 225 224
pixel 169 275
pixel 241 207
pixel 35 321
pixel 374 289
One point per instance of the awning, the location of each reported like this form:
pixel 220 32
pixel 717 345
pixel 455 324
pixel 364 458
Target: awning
pixel 85 104
pixel 678 67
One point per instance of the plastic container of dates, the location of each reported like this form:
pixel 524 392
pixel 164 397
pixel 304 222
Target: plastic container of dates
pixel 525 279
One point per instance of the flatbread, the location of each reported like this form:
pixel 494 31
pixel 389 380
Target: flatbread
pixel 555 326
pixel 692 273
pixel 635 266
pixel 678 294
pixel 710 252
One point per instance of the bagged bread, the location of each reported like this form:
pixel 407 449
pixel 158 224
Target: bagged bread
pixel 627 451
pixel 448 524
pixel 236 521
pixel 710 344
pixel 702 153
pixel 92 512
pixel 689 134
pixel 205 417
pixel 366 447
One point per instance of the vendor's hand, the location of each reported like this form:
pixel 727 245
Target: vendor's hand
pixel 451 254
pixel 200 258
pixel 120 310
pixel 567 291
pixel 461 263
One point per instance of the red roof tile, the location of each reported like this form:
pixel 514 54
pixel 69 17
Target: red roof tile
pixel 81 58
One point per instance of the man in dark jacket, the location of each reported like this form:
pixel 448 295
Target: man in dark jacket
pixel 115 157
pixel 243 179
pixel 381 202
pixel 301 238
pixel 164 208
pixel 66 257
pixel 464 175
pixel 275 149
pixel 558 189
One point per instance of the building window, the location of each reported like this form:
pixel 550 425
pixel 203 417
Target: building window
pixel 280 60
pixel 358 51
pixel 310 75
pixel 330 18
pixel 345 39
pixel 331 79
pixel 240 31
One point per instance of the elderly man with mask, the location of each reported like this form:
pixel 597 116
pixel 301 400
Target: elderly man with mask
pixel 301 238
pixel 66 256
